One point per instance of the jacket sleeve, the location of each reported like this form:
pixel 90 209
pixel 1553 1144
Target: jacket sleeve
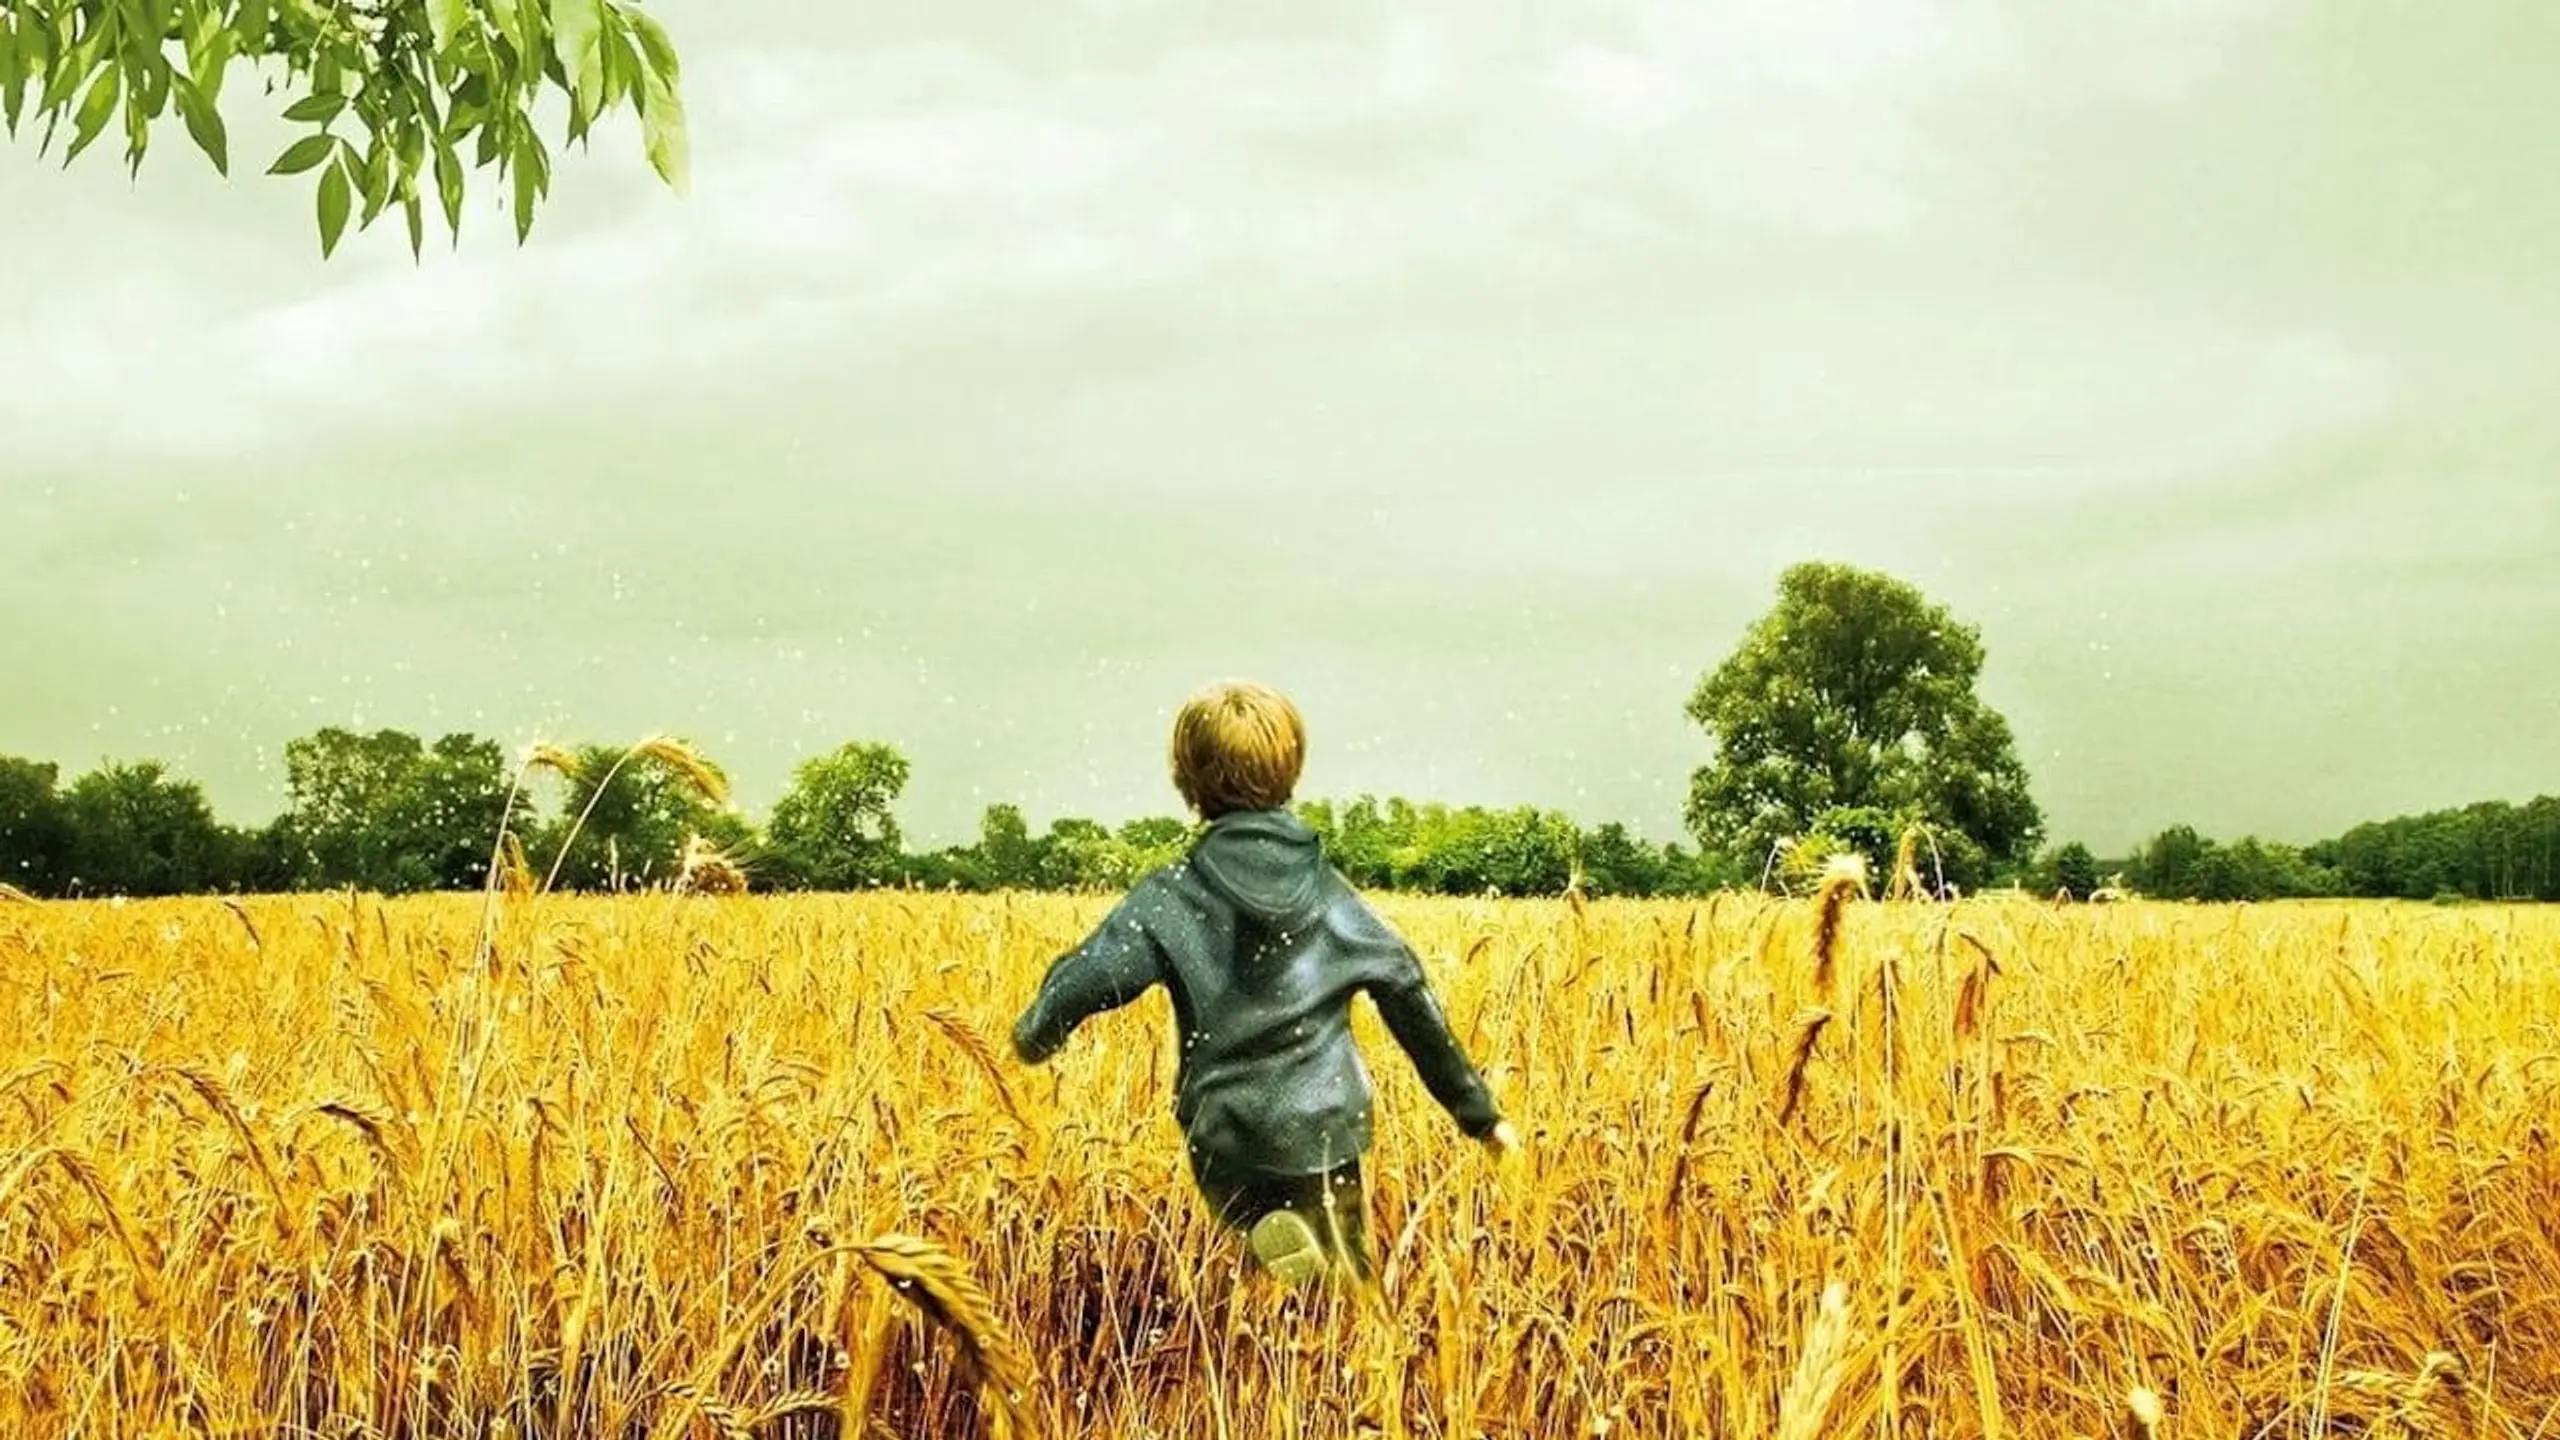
pixel 1114 966
pixel 1414 1017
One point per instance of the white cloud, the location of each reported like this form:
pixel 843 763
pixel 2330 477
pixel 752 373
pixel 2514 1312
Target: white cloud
pixel 865 190
pixel 1622 91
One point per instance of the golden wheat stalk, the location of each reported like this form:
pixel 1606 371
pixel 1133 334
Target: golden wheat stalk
pixel 1697 1110
pixel 146 1272
pixel 1802 1036
pixel 728 1421
pixel 41 1066
pixel 379 1127
pixel 866 1352
pixel 1844 877
pixel 1906 884
pixel 703 868
pixel 240 913
pixel 514 873
pixel 543 755
pixel 1823 1366
pixel 217 1097
pixel 687 764
pixel 674 756
pixel 2410 1398
pixel 982 1055
pixel 936 1283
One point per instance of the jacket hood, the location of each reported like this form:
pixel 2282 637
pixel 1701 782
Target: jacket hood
pixel 1266 861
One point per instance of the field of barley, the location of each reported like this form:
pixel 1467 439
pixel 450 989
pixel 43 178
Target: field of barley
pixel 682 1167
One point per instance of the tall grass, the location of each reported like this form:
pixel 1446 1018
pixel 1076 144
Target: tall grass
pixel 680 1166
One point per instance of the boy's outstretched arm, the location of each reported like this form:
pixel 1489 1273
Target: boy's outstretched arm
pixel 1414 1017
pixel 1114 966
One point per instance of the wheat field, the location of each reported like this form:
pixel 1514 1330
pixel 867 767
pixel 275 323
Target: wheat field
pixel 666 1167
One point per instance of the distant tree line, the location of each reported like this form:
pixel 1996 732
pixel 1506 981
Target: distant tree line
pixel 2489 851
pixel 393 813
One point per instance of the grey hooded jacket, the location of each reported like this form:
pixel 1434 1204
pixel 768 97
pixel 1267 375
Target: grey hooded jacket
pixel 1262 945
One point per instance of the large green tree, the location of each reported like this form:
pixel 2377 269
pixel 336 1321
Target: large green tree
pixel 35 830
pixel 138 831
pixel 1007 853
pixel 626 813
pixel 2075 871
pixel 388 812
pixel 403 98
pixel 834 830
pixel 1853 701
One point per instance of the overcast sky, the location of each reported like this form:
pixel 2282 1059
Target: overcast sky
pixel 1469 372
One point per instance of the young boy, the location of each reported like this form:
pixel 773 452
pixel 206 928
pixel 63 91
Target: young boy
pixel 1262 944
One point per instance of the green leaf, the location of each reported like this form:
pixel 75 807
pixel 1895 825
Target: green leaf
pixel 419 99
pixel 375 185
pixel 305 153
pixel 316 109
pixel 654 44
pixel 96 109
pixel 510 22
pixel 417 217
pixel 445 19
pixel 71 65
pixel 204 122
pixel 155 74
pixel 412 144
pixel 336 199
pixel 449 186
pixel 251 25
pixel 532 167
pixel 663 130
pixel 624 70
pixel 137 132
pixel 527 187
pixel 207 60
pixel 577 36
pixel 13 73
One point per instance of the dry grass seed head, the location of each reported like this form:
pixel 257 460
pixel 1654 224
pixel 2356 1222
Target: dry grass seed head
pixel 218 1098
pixel 930 1278
pixel 688 764
pixel 515 871
pixel 1905 884
pixel 727 1421
pixel 1804 1411
pixel 543 755
pixel 982 1055
pixel 375 1123
pixel 1844 876
pixel 1801 1039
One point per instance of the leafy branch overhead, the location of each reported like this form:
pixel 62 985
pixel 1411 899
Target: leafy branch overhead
pixel 404 98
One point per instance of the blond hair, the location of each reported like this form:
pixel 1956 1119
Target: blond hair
pixel 1237 746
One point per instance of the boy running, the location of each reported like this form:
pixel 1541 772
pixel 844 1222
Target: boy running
pixel 1262 944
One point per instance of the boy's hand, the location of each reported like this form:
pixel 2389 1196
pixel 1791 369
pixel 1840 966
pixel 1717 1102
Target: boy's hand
pixel 1510 1165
